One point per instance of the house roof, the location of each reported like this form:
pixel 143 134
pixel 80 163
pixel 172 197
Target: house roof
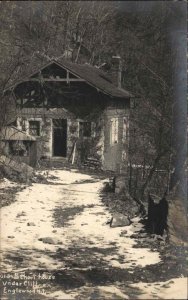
pixel 92 75
pixel 11 133
pixel 97 78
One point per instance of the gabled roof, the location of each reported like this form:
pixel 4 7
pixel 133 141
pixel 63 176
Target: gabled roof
pixel 96 78
pixel 92 75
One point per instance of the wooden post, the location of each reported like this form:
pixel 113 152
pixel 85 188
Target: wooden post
pixel 74 153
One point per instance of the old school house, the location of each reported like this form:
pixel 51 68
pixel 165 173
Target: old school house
pixel 69 112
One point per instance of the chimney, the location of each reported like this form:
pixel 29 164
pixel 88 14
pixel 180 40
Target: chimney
pixel 117 69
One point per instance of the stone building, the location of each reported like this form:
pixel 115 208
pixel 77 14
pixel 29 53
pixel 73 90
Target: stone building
pixel 74 112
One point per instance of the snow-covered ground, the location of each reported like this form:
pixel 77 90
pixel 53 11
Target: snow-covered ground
pixel 29 226
pixel 6 183
pixel 176 288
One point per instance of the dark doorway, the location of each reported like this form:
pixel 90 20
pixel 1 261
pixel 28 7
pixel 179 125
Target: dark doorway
pixel 60 137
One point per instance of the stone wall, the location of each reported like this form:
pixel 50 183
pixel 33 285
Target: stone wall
pixel 111 157
pixel 45 116
pixel 44 141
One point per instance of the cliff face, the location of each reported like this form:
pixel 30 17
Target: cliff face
pixel 177 219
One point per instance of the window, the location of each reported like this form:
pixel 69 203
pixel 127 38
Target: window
pixel 114 131
pixel 84 129
pixel 34 128
pixel 24 124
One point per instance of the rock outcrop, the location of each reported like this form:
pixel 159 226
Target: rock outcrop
pixel 15 170
pixel 120 220
pixel 177 221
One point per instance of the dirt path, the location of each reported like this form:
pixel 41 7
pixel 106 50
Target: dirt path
pixel 55 244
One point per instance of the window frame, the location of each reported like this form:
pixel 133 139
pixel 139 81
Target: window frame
pixel 114 131
pixel 38 127
pixel 82 133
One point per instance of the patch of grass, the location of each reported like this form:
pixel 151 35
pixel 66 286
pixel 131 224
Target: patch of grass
pixel 120 203
pixel 63 215
pixel 92 180
pixel 78 257
pixel 8 195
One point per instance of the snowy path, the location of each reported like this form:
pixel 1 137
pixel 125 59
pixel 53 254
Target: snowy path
pixel 60 228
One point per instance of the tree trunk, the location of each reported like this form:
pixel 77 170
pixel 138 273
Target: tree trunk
pixel 177 218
